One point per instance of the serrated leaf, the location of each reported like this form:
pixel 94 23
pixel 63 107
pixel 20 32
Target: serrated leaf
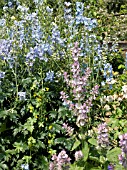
pixel 57 127
pixel 53 114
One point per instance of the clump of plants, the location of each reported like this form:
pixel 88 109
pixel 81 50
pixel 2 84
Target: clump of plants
pixel 62 101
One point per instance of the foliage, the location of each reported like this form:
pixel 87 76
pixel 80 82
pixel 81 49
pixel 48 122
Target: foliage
pixel 62 98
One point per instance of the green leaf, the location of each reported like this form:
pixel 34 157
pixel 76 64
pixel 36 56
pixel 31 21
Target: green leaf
pixel 59 140
pixel 26 81
pixel 3 114
pixel 31 141
pixel 40 144
pixel 1 156
pixel 93 141
pixel 44 161
pixel 119 167
pixel 3 127
pixel 85 151
pixel 76 144
pixel 74 167
pixel 20 147
pixel 98 168
pixel 121 66
pixel 57 127
pixel 102 159
pixel 62 112
pixel 112 155
pixel 3 166
pixel 53 114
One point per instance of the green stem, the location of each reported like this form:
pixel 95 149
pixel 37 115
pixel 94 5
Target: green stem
pixel 16 81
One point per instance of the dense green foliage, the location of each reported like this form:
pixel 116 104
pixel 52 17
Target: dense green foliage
pixel 63 91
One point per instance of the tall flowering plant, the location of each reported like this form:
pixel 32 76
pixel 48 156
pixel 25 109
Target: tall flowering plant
pixel 79 100
pixel 123 145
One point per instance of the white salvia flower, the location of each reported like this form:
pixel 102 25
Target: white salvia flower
pixel 109 98
pixel 78 155
pixel 67 4
pixel 124 89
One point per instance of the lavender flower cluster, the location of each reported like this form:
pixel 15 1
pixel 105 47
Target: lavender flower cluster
pixel 78 84
pixel 123 144
pixel 78 155
pixel 110 167
pixel 103 139
pixel 60 162
pixel 69 129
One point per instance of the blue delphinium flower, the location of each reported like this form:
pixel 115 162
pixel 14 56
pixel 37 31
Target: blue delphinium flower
pixel 80 19
pixel 25 166
pixel 38 2
pixel 23 9
pixel 10 4
pixel 69 19
pixel 108 72
pixel 2 75
pixel 6 52
pixel 114 47
pixel 2 22
pixel 22 95
pixel 79 13
pixel 49 10
pixel 56 36
pixel 38 51
pixel 67 15
pixel 49 76
pixel 79 7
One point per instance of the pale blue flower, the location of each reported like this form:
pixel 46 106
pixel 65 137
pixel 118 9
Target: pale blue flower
pixel 22 95
pixel 49 76
pixel 9 3
pixel 38 2
pixel 2 22
pixel 2 75
pixel 25 166
pixel 49 10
